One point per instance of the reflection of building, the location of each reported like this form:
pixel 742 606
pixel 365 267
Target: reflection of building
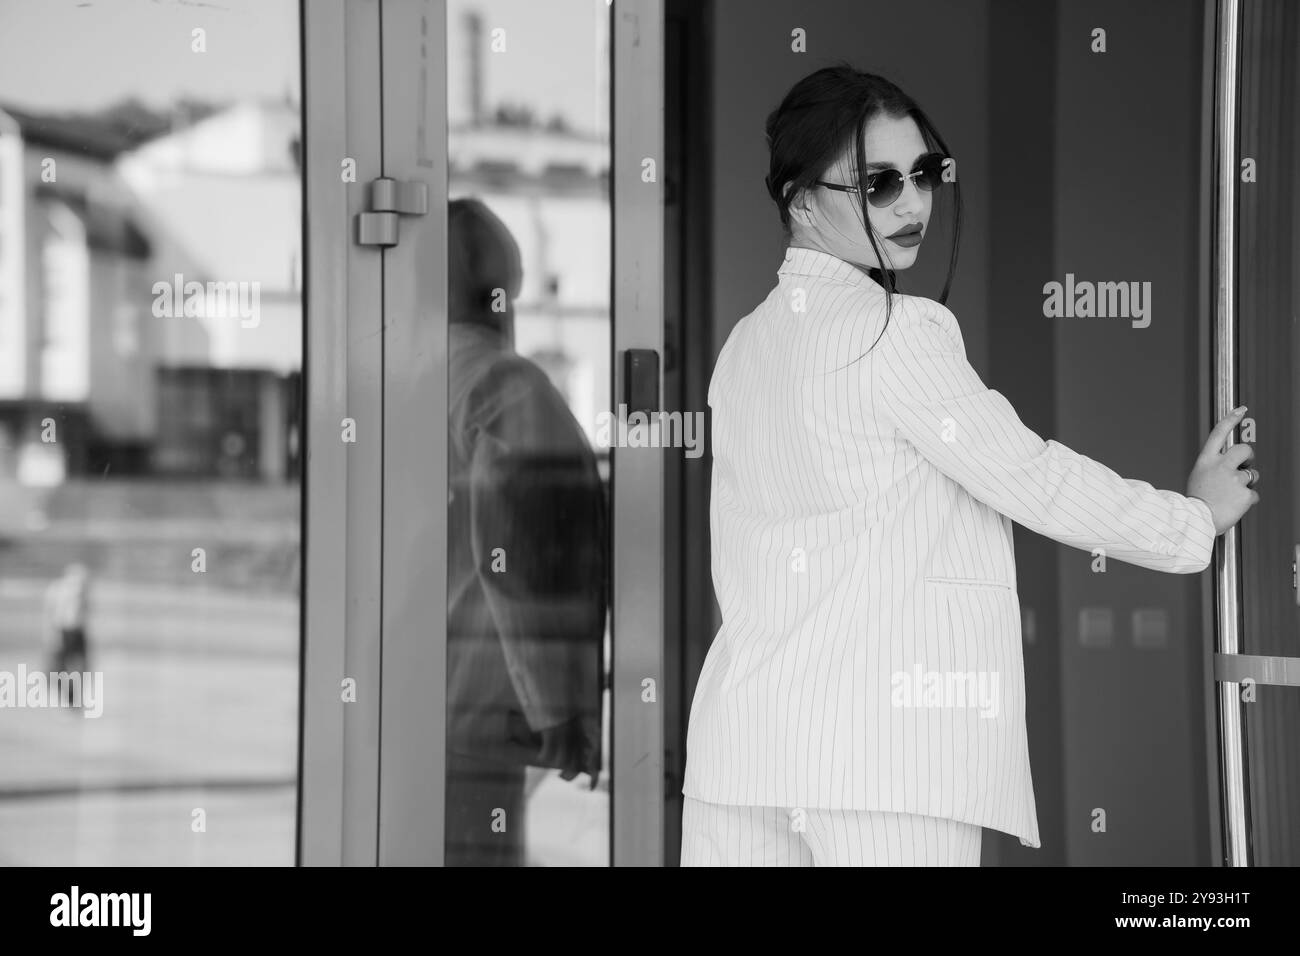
pixel 550 185
pixel 102 213
pixel 69 253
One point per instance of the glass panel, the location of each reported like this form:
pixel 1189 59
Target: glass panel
pixel 150 361
pixel 528 273
pixel 1268 301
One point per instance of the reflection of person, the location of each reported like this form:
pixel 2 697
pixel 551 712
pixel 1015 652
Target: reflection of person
pixel 864 484
pixel 66 601
pixel 526 561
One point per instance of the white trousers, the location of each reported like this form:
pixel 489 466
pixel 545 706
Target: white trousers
pixel 715 834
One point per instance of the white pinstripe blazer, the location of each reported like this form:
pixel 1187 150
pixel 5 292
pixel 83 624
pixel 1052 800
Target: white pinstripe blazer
pixel 861 520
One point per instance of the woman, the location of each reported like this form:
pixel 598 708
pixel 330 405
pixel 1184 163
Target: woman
pixel 863 701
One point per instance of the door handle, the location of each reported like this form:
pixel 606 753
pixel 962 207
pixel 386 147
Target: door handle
pixel 641 381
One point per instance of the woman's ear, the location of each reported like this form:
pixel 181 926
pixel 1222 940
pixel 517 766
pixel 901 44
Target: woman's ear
pixel 800 208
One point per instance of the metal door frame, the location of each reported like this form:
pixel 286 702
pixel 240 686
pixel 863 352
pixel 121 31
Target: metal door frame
pixel 1233 780
pixel 637 122
pixel 338 807
pixel 413 725
pixel 1232 667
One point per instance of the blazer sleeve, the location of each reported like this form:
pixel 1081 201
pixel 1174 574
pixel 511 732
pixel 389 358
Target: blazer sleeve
pixel 924 386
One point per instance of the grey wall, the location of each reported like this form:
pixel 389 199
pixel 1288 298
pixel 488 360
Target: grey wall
pixel 1022 361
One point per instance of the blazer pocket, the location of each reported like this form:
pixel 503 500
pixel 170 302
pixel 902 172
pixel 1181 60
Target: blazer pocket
pixel 971 582
pixel 967 671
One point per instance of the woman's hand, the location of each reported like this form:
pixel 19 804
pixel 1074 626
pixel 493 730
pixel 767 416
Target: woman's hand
pixel 1217 478
pixel 573 747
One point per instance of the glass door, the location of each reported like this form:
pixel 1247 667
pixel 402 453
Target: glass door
pixel 1257 363
pixel 151 432
pixel 520 228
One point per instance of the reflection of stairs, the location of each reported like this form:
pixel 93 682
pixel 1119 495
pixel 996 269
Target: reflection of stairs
pixel 145 532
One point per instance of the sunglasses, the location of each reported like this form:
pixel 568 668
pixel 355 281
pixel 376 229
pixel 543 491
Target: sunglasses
pixel 884 187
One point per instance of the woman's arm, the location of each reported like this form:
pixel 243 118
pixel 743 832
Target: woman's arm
pixel 923 384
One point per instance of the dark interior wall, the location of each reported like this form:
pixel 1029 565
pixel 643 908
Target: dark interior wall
pixel 1022 364
pixel 1127 396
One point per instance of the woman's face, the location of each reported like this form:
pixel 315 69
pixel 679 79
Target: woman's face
pixel 831 220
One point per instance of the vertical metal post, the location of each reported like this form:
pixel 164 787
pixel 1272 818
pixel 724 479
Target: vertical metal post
pixel 1233 776
pixel 413 725
pixel 637 122
pixel 339 755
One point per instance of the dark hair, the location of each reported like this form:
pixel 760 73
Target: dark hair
pixel 482 258
pixel 821 116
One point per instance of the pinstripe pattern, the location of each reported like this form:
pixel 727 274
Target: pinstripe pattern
pixel 715 834
pixel 861 529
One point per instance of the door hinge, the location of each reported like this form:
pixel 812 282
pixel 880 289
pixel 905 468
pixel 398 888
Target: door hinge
pixel 390 198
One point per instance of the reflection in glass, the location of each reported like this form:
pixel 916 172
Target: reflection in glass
pixel 1268 301
pixel 150 357
pixel 529 336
